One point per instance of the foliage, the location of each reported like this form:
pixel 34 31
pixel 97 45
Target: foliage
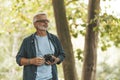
pixel 79 53
pixel 15 24
pixel 76 15
pixel 109 31
pixel 109 28
pixel 108 72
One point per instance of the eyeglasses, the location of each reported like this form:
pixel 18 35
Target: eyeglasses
pixel 43 21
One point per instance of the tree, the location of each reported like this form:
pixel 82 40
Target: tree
pixel 91 41
pixel 64 35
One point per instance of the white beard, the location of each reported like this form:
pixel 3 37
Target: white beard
pixel 42 28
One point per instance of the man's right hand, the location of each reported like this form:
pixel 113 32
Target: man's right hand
pixel 37 61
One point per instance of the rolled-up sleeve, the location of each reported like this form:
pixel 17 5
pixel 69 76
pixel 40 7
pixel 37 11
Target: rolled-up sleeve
pixel 61 51
pixel 20 53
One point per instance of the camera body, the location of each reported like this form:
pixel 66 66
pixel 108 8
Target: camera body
pixel 48 57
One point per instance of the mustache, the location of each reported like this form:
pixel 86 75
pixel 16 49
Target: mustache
pixel 42 27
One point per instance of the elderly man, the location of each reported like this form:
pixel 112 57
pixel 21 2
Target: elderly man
pixel 40 52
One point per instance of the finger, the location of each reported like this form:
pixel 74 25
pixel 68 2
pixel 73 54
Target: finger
pixel 40 62
pixel 53 57
pixel 40 57
pixel 48 62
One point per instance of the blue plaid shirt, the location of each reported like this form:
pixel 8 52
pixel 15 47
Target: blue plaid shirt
pixel 28 50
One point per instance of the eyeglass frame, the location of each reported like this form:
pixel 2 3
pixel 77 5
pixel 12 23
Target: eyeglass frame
pixel 42 21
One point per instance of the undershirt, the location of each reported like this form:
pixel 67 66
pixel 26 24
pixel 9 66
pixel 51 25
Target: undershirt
pixel 43 47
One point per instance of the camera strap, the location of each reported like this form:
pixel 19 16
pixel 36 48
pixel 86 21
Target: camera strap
pixel 38 47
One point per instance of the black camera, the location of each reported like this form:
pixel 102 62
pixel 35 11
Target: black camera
pixel 48 57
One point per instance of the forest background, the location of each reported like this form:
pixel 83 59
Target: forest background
pixel 16 23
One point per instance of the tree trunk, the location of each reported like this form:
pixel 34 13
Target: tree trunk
pixel 64 36
pixel 91 41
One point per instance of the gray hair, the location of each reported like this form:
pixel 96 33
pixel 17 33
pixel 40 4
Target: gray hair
pixel 40 13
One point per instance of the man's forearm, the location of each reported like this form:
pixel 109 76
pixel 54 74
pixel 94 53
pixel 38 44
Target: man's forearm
pixel 33 61
pixel 25 61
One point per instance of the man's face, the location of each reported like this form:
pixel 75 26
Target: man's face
pixel 41 23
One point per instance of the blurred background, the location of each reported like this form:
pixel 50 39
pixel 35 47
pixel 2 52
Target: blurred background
pixel 16 23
